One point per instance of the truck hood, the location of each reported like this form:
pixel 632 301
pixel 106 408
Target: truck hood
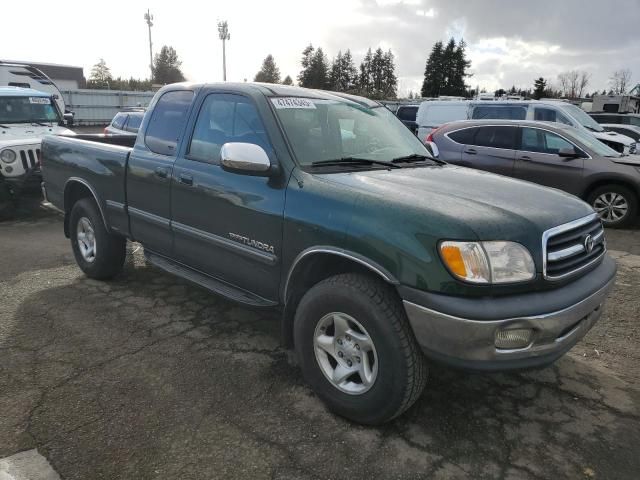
pixel 493 206
pixel 26 131
pixel 614 137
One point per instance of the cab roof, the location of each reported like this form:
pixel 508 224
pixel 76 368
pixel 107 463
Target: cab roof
pixel 21 92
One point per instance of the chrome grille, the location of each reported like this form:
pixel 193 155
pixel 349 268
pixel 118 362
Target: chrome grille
pixel 572 247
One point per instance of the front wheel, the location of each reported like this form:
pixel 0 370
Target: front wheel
pixel 98 253
pixel 357 350
pixel 617 206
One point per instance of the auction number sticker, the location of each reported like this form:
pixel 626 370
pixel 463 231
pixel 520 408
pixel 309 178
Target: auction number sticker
pixel 40 100
pixel 293 102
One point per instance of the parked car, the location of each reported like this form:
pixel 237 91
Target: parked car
pixel 372 250
pixel 407 115
pixel 630 131
pixel 432 116
pixel 125 123
pixel 617 118
pixel 26 116
pixel 550 154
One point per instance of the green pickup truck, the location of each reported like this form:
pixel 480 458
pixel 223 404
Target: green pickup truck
pixel 325 206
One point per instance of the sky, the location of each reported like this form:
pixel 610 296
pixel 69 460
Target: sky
pixel 509 42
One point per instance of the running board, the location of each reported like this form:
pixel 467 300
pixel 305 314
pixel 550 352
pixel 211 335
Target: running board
pixel 216 286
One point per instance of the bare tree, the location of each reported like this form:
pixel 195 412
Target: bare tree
pixel 583 82
pixel 620 81
pixel 563 80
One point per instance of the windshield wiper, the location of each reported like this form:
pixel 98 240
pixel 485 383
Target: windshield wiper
pixel 4 126
pixel 338 162
pixel 416 157
pixel 40 123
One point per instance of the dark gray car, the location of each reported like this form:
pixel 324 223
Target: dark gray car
pixel 550 154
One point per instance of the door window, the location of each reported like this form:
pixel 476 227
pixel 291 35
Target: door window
pixel 542 141
pixel 407 113
pixel 167 122
pixel 134 123
pixel 550 115
pixel 225 118
pixel 464 136
pixel 118 120
pixel 496 137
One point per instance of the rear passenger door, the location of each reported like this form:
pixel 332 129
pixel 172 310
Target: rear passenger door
pixel 538 161
pixel 492 149
pixel 150 168
pixel 227 225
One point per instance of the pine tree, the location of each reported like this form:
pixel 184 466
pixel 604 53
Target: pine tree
pixel 539 88
pixel 315 69
pixel 433 72
pixel 166 66
pixel 269 73
pixel 365 82
pixel 287 80
pixel 459 70
pixel 343 74
pixel 448 68
pixel 389 79
pixel 100 75
pixel 304 77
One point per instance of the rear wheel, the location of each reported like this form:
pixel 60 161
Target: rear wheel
pixel 357 350
pixel 617 206
pixel 99 254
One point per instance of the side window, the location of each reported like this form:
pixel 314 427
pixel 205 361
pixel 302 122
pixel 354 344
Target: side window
pixel 464 137
pixel 167 122
pixel 134 123
pixel 118 120
pixel 550 115
pixel 496 137
pixel 500 112
pixel 225 118
pixel 542 141
pixel 407 113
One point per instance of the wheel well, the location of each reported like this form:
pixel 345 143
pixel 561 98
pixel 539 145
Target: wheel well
pixel 602 183
pixel 74 192
pixel 309 271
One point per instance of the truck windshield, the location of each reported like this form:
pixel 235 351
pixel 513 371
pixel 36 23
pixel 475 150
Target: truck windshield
pixel 321 130
pixel 27 110
pixel 582 118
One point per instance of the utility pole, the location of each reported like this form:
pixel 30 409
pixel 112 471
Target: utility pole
pixel 149 19
pixel 223 33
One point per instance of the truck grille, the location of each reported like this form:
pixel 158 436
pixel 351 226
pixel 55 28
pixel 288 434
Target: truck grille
pixel 30 158
pixel 633 148
pixel 572 247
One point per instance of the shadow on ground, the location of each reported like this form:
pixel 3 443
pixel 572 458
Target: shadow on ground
pixel 148 377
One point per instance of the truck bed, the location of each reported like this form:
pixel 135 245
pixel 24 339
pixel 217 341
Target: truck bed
pixel 94 162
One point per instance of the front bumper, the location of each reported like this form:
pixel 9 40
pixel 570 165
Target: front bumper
pixel 467 338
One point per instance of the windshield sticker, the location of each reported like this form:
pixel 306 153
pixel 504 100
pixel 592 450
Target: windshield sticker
pixel 40 100
pixel 293 102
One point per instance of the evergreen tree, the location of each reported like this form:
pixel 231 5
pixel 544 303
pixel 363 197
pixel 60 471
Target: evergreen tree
pixel 287 80
pixel 315 69
pixel 448 68
pixel 269 73
pixel 100 75
pixel 539 88
pixel 343 75
pixel 365 82
pixel 166 66
pixel 389 83
pixel 459 73
pixel 433 72
pixel 304 77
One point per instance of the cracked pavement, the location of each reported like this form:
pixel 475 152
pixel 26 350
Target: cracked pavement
pixel 149 377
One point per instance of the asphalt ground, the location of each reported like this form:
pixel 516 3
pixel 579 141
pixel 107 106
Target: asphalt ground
pixel 148 377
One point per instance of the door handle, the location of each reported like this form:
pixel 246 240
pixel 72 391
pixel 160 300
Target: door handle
pixel 186 179
pixel 471 151
pixel 162 172
pixel 525 158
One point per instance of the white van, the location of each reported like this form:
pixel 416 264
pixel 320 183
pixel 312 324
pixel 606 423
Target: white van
pixel 433 114
pixel 26 76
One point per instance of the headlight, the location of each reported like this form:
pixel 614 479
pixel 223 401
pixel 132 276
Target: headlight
pixel 488 262
pixel 8 156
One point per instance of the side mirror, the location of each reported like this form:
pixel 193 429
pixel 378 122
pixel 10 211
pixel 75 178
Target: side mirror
pixel 68 118
pixel 246 159
pixel 568 153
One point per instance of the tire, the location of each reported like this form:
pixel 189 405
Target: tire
pixel 370 309
pixel 605 199
pixel 109 250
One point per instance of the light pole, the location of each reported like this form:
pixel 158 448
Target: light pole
pixel 149 19
pixel 223 33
